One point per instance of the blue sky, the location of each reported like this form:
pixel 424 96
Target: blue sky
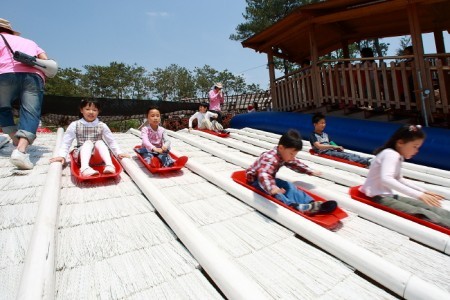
pixel 152 33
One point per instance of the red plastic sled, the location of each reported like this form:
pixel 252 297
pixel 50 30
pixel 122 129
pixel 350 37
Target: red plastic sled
pixel 359 196
pixel 219 134
pixel 43 130
pixel 179 163
pixel 329 221
pixel 311 151
pixel 75 168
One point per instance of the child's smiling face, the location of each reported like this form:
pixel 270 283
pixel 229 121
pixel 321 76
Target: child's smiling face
pixel 89 112
pixel 154 118
pixel 320 126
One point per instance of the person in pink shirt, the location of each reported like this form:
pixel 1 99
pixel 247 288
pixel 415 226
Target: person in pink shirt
pixel 23 82
pixel 215 100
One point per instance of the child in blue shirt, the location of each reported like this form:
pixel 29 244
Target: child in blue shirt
pixel 321 143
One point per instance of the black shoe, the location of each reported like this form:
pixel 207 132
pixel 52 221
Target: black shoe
pixel 319 207
pixel 328 207
pixel 294 206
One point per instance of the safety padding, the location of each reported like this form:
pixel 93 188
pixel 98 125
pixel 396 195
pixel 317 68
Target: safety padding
pixel 360 135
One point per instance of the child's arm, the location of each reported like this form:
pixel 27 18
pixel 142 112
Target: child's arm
pixel 210 115
pixel 266 173
pixel 192 118
pixel 299 167
pixel 389 163
pixel 68 138
pixel 320 146
pixel 317 145
pixel 165 140
pixel 145 141
pixel 111 141
pixel 431 198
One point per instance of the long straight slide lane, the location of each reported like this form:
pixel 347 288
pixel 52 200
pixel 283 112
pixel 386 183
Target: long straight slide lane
pixel 112 244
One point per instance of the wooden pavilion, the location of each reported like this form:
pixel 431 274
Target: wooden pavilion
pixel 417 83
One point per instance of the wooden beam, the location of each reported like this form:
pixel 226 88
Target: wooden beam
pixel 419 62
pixel 273 91
pixel 316 82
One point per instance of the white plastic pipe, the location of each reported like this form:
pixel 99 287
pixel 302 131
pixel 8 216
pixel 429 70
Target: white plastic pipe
pixel 231 280
pixel 401 282
pixel 420 233
pixel 38 276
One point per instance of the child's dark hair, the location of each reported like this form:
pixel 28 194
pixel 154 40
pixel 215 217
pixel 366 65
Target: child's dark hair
pixel 317 117
pixel 204 104
pixel 89 102
pixel 291 139
pixel 152 108
pixel 406 133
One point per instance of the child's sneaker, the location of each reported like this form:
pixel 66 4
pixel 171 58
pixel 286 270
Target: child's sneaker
pixel 89 172
pixel 21 160
pixel 301 207
pixel 3 141
pixel 319 207
pixel 109 170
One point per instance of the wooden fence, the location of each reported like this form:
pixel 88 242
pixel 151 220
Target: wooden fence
pixel 368 85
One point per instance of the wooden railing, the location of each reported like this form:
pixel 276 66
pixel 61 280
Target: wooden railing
pixel 239 103
pixel 382 86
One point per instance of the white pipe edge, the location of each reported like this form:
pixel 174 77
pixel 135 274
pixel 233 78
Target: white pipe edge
pixel 432 238
pixel 228 276
pixel 387 274
pixel 38 275
pixel 425 235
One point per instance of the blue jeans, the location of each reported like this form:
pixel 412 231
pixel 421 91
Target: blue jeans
pixel 292 196
pixel 29 89
pixel 165 158
pixel 347 156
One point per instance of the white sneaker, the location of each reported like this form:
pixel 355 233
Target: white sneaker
pixel 88 172
pixel 3 141
pixel 109 170
pixel 21 160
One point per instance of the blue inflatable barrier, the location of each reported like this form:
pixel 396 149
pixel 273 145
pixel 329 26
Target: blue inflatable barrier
pixel 360 135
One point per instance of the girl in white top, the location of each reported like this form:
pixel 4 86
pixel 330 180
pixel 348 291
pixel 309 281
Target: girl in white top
pixel 384 178
pixel 203 117
pixel 89 133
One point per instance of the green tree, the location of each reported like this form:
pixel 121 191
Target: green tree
pixel 117 80
pixel 172 83
pixel 67 82
pixel 205 77
pixel 260 14
pixel 405 41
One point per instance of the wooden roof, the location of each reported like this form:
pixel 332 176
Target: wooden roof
pixel 345 21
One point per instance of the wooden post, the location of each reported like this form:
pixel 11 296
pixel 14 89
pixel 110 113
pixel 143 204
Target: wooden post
pixel 273 91
pixel 439 41
pixel 316 82
pixel 421 74
pixel 345 50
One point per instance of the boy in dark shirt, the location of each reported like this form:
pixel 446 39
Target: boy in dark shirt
pixel 261 174
pixel 321 142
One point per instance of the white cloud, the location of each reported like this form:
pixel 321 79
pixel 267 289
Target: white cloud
pixel 157 14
